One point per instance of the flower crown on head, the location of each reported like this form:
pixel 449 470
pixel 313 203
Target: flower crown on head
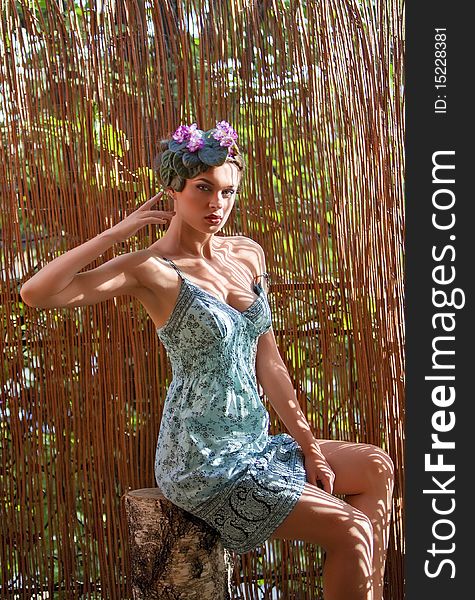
pixel 195 139
pixel 190 149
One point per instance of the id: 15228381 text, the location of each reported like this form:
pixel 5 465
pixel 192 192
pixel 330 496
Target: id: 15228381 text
pixel 440 70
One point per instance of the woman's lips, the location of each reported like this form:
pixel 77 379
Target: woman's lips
pixel 214 220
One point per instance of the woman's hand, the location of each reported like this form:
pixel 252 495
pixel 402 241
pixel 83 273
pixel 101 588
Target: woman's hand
pixel 318 471
pixel 142 216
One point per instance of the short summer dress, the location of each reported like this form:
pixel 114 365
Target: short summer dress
pixel 214 456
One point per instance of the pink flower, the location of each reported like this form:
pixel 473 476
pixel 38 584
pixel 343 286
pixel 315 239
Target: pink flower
pixel 225 134
pixel 196 142
pixel 184 132
pixel 190 134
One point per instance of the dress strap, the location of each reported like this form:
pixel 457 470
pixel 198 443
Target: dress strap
pixel 267 279
pixel 174 266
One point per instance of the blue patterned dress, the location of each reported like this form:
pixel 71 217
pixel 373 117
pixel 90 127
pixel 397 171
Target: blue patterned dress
pixel 215 457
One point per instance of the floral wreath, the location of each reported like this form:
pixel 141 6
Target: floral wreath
pixel 192 150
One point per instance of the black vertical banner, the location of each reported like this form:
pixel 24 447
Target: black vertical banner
pixel 440 324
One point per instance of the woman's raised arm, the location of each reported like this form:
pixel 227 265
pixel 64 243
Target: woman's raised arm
pixel 59 283
pixel 113 278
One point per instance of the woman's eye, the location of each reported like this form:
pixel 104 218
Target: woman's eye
pixel 227 192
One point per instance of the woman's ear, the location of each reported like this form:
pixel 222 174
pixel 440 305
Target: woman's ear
pixel 170 192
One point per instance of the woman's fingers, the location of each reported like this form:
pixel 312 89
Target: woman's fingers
pixel 162 214
pixel 319 472
pixel 328 485
pixel 327 478
pixel 152 200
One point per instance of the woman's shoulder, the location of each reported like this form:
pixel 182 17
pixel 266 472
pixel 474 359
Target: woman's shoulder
pixel 148 265
pixel 243 242
pixel 248 249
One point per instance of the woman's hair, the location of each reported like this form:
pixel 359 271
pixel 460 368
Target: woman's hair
pixel 167 169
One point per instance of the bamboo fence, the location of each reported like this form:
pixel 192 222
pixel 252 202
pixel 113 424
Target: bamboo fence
pixel 315 90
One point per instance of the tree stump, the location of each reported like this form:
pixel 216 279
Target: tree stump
pixel 174 555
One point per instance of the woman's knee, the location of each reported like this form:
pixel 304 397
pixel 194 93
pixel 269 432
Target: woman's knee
pixel 379 467
pixel 351 530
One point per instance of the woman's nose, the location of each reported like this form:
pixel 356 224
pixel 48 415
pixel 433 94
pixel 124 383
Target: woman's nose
pixel 217 201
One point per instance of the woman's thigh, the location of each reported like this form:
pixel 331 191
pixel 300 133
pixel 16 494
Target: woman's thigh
pixel 323 519
pixel 326 520
pixel 358 468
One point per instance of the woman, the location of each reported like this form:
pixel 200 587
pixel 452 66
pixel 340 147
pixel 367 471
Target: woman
pixel 206 295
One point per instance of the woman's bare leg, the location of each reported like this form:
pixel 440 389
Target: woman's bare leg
pixel 364 474
pixel 344 532
pixel 354 565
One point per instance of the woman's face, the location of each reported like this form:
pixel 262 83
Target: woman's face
pixel 211 192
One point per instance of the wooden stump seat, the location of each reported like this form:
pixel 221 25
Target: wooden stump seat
pixel 173 554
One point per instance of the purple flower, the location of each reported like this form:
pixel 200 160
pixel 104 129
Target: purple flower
pixel 184 132
pixel 196 142
pixel 190 134
pixel 225 134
